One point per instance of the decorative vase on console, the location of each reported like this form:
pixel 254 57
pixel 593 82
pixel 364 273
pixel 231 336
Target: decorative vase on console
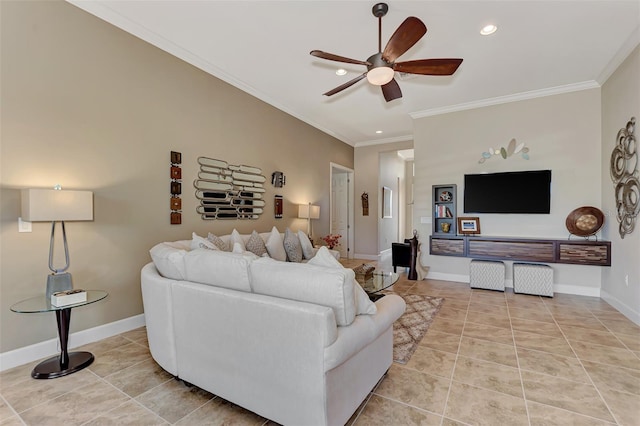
pixel 332 240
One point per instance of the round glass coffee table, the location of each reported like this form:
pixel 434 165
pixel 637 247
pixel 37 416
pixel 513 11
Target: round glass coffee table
pixel 378 282
pixel 65 363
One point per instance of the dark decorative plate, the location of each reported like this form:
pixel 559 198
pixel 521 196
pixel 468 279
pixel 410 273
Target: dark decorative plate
pixel 585 221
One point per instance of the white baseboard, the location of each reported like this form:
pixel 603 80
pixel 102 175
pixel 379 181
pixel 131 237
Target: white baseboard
pixel 557 288
pixel 51 347
pixel 624 309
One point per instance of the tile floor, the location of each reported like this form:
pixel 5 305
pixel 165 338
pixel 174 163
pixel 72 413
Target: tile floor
pixel 489 358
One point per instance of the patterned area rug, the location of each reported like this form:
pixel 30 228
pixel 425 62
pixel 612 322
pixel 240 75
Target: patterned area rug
pixel 411 327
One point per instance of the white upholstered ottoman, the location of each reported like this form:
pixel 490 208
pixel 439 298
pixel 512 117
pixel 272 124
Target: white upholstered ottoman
pixel 486 274
pixel 533 278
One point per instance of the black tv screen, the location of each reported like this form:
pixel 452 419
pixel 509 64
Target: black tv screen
pixel 509 192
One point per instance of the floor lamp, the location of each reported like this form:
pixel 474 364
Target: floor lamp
pixel 56 205
pixel 308 211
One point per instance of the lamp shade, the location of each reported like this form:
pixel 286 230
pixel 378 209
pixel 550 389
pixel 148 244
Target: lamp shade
pixel 49 205
pixel 307 211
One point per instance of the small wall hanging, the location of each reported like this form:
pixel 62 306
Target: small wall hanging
pixel 365 204
pixel 624 173
pixel 507 152
pixel 278 179
pixel 175 203
pixel 226 191
pixel 277 203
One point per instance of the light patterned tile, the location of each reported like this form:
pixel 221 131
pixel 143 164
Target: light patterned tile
pixel 495 320
pixel 623 405
pixel 119 358
pixel 488 375
pixel 219 412
pixel 489 351
pixel 546 415
pixel 432 362
pixel 477 406
pixel 541 342
pixel 414 388
pixel 606 355
pixel 630 341
pixel 173 400
pixel 622 326
pixel 605 338
pixel 530 314
pixel 77 406
pixel 538 327
pixel 442 325
pixel 486 332
pixel 578 397
pixel 616 378
pixel 130 413
pixel 381 411
pixel 553 365
pixel 441 341
pixel 139 378
pixel 452 314
pixel 485 308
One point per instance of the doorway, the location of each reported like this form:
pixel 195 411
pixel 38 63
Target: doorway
pixel 341 216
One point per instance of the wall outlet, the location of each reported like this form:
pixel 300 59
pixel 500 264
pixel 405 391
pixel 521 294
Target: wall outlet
pixel 425 219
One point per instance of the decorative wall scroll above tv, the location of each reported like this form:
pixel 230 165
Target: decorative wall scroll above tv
pixel 226 191
pixel 176 188
pixel 507 152
pixel 624 173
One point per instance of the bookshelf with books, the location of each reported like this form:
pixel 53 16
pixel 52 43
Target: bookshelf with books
pixel 444 210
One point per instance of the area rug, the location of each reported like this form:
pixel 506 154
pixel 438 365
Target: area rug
pixel 411 327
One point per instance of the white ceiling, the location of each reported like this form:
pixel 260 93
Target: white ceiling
pixel 262 47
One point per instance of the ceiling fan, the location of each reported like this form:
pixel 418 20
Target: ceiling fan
pixel 381 66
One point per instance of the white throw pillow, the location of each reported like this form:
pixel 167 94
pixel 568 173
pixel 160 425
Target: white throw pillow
pixel 275 246
pixel 236 239
pixel 307 247
pixel 198 242
pixel 169 258
pixel 364 305
pixel 292 247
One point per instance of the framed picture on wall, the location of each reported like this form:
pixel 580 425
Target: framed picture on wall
pixel 468 225
pixel 386 203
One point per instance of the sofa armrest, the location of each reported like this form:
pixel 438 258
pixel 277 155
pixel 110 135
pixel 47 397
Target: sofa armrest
pixel 364 330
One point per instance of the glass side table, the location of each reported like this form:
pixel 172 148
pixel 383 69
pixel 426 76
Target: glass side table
pixel 65 363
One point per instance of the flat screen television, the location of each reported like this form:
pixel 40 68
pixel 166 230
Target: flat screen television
pixel 509 192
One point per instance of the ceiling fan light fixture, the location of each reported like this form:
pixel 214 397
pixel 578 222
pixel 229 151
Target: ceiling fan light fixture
pixel 341 71
pixel 380 76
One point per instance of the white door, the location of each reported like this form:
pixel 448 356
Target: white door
pixel 340 210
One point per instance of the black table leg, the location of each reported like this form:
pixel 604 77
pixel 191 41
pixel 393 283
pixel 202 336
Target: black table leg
pixel 65 363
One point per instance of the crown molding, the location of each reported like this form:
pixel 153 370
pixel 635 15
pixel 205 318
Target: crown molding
pixel 625 50
pixel 592 84
pixel 402 138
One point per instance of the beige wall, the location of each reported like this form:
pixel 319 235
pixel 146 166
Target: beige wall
pixel 367 169
pixel 563 134
pixel 90 107
pixel 620 102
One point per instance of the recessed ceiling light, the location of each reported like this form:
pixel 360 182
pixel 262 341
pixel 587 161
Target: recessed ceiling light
pixel 488 29
pixel 341 71
pixel 378 131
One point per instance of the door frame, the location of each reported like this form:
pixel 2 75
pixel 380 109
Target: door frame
pixel 338 168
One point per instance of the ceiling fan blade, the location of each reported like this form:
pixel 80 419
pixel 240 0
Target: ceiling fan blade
pixel 332 57
pixel 407 34
pixel 391 90
pixel 444 66
pixel 345 85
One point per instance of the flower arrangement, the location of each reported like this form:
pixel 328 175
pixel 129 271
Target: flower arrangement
pixel 332 240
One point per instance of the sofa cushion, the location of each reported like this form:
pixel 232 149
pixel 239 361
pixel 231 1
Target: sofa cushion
pixel 236 238
pixel 275 245
pixel 219 268
pixel 307 247
pixel 219 242
pixel 255 244
pixel 168 258
pixel 331 287
pixel 199 242
pixel 292 246
pixel 364 305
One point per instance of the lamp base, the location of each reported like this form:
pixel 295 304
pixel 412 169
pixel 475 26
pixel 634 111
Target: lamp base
pixel 58 282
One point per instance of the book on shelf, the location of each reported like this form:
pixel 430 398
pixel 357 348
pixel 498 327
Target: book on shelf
pixel 443 211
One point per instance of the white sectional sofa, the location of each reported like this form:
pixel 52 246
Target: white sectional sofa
pixel 297 343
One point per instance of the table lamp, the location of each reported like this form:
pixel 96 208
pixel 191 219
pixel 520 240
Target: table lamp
pixel 57 205
pixel 308 211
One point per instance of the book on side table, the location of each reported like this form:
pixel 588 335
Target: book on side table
pixel 69 297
